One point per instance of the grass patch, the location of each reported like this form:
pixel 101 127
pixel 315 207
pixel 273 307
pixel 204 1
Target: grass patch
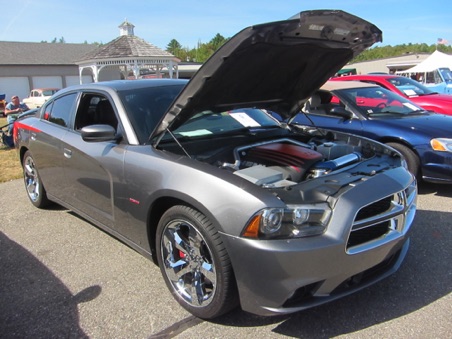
pixel 10 168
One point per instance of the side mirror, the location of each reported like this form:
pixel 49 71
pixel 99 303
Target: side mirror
pixel 97 133
pixel 341 112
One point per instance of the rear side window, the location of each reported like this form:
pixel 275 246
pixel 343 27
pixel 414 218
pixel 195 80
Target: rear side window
pixel 59 111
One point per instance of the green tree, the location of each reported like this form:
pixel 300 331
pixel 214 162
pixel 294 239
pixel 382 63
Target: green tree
pixel 174 47
pixel 217 41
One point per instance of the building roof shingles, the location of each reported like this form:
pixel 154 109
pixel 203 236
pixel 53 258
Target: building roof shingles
pixel 42 53
pixel 126 46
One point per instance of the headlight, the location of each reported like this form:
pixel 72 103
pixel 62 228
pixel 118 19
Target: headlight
pixel 295 221
pixel 441 144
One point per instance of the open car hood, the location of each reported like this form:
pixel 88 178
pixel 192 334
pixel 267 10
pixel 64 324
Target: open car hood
pixel 274 66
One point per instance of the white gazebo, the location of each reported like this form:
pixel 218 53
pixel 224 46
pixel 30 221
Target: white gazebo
pixel 126 57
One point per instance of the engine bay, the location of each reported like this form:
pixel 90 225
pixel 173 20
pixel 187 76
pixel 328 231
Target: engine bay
pixel 252 145
pixel 286 162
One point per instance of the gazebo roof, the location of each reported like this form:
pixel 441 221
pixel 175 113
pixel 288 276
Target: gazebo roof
pixel 126 46
pixel 129 52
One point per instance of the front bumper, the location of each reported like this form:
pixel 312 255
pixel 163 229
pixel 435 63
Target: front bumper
pixel 285 276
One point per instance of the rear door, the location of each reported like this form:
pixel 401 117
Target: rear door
pixel 47 146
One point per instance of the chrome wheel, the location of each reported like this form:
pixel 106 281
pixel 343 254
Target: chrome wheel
pixel 31 178
pixel 35 190
pixel 194 263
pixel 188 263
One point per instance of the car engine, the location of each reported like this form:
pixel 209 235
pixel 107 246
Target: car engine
pixel 286 162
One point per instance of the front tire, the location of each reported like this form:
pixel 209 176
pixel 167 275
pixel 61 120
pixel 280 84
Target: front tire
pixel 194 263
pixel 411 158
pixel 35 190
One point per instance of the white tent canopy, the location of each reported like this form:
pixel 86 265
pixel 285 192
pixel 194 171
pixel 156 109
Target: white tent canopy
pixel 434 61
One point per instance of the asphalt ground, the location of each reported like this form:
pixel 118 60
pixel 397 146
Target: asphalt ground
pixel 61 277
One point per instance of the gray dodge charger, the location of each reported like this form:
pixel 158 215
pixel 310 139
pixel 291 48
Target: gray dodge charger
pixel 235 207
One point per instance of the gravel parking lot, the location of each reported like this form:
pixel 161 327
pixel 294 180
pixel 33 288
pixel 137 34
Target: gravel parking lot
pixel 62 277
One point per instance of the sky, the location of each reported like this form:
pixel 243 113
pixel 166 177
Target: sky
pixel 194 21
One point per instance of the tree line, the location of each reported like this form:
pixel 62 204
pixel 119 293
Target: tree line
pixel 203 51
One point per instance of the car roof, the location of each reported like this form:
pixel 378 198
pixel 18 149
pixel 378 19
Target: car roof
pixel 337 84
pixel 119 85
pixel 371 76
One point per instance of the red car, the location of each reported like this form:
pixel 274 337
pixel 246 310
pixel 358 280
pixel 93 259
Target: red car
pixel 409 88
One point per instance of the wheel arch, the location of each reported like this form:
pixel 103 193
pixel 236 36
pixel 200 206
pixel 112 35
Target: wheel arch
pixel 22 152
pixel 403 142
pixel 415 154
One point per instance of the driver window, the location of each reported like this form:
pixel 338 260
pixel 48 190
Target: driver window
pixel 320 103
pixel 95 109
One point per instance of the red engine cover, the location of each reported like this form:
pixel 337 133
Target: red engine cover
pixel 283 154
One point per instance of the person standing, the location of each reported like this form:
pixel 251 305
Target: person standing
pixel 12 110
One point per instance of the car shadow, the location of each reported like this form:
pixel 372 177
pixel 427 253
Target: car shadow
pixel 437 189
pixel 34 302
pixel 420 281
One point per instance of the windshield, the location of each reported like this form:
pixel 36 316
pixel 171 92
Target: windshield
pixel 49 92
pixel 446 74
pixel 208 123
pixel 410 87
pixel 146 107
pixel 375 102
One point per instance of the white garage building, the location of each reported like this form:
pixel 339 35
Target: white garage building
pixel 28 65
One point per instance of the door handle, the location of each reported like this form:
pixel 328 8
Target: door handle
pixel 67 153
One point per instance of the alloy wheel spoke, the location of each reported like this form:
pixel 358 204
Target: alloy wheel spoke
pixel 181 242
pixel 207 270
pixel 197 290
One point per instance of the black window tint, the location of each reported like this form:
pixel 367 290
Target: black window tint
pixel 61 109
pixel 95 109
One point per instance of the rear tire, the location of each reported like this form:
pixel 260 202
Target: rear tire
pixel 194 263
pixel 411 158
pixel 33 184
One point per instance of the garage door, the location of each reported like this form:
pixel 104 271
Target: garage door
pixel 75 80
pixel 14 86
pixel 45 82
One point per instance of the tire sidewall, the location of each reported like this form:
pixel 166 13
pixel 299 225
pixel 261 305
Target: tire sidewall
pixel 411 158
pixel 217 305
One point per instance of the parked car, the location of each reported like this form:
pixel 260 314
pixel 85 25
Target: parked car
pixel 424 138
pixel 39 96
pixel 437 80
pixel 235 207
pixel 409 88
pixel 2 104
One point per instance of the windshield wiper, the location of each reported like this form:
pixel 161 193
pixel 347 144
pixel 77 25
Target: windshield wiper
pixel 419 112
pixel 425 94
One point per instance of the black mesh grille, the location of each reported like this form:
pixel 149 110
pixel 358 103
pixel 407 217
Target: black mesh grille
pixel 367 234
pixel 374 209
pixel 370 232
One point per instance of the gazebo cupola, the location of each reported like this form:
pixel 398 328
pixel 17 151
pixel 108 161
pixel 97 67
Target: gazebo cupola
pixel 126 28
